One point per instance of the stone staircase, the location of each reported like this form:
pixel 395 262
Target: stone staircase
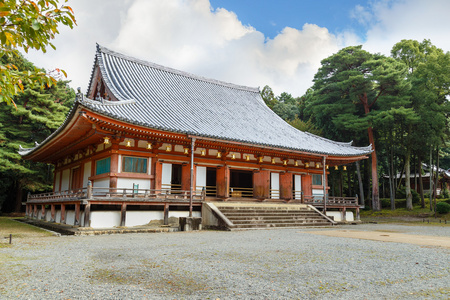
pixel 259 216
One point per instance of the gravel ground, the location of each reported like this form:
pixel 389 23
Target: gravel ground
pixel 257 264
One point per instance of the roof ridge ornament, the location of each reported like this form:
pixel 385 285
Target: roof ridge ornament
pixel 79 96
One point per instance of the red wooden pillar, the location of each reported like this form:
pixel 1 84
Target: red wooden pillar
pixel 223 181
pixel 26 210
pixel 307 185
pixel 77 214
pixel 63 214
pixel 52 212
pixel 42 212
pixel 286 186
pixel 114 167
pixel 261 184
pixel 158 174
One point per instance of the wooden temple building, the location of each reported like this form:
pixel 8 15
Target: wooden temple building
pixel 148 142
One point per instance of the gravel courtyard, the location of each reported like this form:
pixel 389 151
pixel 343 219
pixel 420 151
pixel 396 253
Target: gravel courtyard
pixel 257 264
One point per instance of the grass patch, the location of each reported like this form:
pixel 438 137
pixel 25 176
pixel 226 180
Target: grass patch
pixel 9 225
pixel 417 215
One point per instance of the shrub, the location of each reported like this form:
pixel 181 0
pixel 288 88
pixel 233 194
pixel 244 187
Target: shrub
pixel 401 194
pixel 443 207
pixel 445 193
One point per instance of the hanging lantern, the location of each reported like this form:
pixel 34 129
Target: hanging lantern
pixel 260 159
pixel 247 157
pixel 167 148
pixel 186 150
pixel 345 168
pixel 273 160
pixel 296 163
pixel 106 140
pixel 336 167
pixel 149 146
pixel 285 161
pixel 317 165
pixel 219 154
pixel 233 156
pixel 203 153
pixel 306 165
pixel 128 143
pixel 326 167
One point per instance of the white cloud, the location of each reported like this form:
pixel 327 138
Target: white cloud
pixel 393 21
pixel 190 36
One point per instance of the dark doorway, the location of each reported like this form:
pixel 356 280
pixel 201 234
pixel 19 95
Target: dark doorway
pixel 176 177
pixel 241 183
pixel 211 182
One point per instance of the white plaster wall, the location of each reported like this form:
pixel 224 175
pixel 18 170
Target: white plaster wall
pixel 105 219
pixel 87 173
pixel 57 180
pixel 338 215
pixel 317 192
pixel 70 217
pixel 48 215
pixel 65 180
pixel 58 216
pixel 104 183
pixel 136 218
pixel 177 214
pixel 128 183
pixel 200 178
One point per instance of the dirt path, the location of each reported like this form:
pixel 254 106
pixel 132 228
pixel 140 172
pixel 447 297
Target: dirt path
pixel 387 236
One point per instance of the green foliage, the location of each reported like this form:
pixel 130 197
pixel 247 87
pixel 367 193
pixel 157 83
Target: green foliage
pixel 28 25
pixel 443 208
pixel 401 194
pixel 307 126
pixel 37 114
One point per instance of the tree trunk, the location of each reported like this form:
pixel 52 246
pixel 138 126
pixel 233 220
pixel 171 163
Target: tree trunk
pixel 431 178
pixel 349 183
pixel 392 180
pixel 437 179
pixel 18 200
pixel 367 183
pixel 421 182
pixel 361 189
pixel 409 205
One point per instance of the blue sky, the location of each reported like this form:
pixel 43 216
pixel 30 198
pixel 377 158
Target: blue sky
pixel 247 42
pixel 270 17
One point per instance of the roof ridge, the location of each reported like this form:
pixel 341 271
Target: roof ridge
pixel 105 50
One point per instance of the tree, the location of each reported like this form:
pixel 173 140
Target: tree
pixel 25 25
pixel 38 112
pixel 350 88
pixel 268 96
pixel 429 74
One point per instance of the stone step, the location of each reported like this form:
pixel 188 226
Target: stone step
pixel 248 221
pixel 236 221
pixel 289 214
pixel 264 211
pixel 279 225
pixel 283 208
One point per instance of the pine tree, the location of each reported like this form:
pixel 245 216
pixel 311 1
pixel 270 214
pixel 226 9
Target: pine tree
pixel 39 112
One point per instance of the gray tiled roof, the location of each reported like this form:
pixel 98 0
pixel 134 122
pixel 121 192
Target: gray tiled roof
pixel 162 98
pixel 158 97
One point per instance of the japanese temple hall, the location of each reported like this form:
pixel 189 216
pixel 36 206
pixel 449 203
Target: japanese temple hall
pixel 147 142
